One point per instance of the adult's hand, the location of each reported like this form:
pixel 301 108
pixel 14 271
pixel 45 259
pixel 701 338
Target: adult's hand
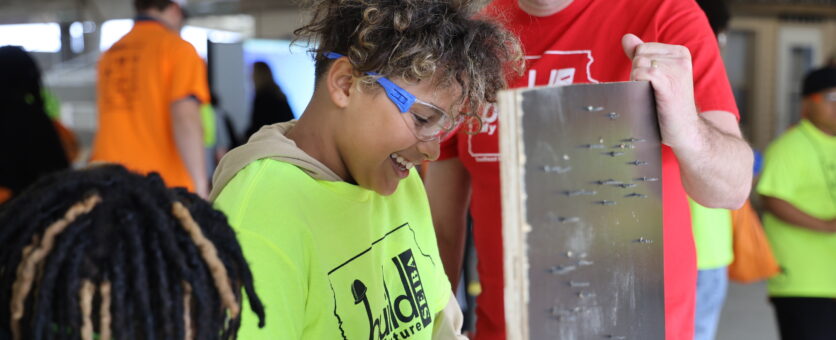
pixel 715 161
pixel 668 68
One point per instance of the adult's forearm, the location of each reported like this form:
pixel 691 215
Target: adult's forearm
pixel 188 136
pixel 715 161
pixel 451 241
pixel 448 189
pixel 716 166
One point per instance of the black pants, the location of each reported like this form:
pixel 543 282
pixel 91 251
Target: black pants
pixel 805 318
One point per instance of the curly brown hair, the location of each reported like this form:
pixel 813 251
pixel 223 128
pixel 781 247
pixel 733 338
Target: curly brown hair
pixel 437 40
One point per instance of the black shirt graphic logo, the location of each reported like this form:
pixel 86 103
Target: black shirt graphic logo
pixel 393 299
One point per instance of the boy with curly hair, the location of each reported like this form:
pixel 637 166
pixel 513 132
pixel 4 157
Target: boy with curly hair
pixel 331 215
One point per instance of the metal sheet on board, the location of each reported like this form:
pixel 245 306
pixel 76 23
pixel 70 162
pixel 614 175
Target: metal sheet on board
pixel 594 201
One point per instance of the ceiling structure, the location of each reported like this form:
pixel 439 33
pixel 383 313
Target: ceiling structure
pixel 28 11
pixel 785 8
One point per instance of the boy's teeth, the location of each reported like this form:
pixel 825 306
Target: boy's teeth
pixel 402 161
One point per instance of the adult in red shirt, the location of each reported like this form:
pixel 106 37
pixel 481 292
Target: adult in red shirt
pixel 577 41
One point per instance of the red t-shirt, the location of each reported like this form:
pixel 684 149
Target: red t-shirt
pixel 582 44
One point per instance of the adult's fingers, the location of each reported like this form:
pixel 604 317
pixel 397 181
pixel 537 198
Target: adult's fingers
pixel 630 42
pixel 648 60
pixel 660 48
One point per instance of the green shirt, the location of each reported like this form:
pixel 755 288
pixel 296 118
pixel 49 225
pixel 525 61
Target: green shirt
pixel 51 105
pixel 712 236
pixel 334 261
pixel 207 119
pixel 800 168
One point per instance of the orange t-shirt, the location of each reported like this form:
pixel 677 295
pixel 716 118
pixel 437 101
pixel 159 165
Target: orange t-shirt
pixel 138 79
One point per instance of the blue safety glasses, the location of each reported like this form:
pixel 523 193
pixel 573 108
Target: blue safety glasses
pixel 428 122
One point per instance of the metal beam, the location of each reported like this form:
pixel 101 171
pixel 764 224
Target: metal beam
pixel 784 8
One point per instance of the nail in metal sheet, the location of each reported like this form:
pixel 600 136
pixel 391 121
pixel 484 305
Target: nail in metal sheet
pixel 580 193
pixel 585 263
pixel 571 219
pixel 608 182
pixel 594 146
pixel 579 284
pixel 560 270
pixel 643 240
pixel 556 169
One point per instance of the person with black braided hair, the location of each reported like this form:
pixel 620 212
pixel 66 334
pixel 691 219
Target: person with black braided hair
pixel 330 213
pixel 108 254
pixel 30 146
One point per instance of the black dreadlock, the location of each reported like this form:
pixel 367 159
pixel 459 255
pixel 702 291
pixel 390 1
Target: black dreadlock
pixel 114 253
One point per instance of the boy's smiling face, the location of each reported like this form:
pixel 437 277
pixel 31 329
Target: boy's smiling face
pixel 377 145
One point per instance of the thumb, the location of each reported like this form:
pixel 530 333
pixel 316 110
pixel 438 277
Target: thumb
pixel 629 42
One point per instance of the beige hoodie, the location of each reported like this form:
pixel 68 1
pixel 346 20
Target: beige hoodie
pixel 270 142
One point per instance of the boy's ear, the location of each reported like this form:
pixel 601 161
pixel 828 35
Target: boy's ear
pixel 338 80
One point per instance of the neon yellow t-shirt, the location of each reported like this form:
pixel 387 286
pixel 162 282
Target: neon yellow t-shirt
pixel 51 104
pixel 712 236
pixel 800 168
pixel 332 260
pixel 207 118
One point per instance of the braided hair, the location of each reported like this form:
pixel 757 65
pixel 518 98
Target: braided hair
pixel 117 254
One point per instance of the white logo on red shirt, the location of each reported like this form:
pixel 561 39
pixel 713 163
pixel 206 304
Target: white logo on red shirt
pixel 551 68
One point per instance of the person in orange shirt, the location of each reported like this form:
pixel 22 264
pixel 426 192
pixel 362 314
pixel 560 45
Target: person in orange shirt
pixel 151 84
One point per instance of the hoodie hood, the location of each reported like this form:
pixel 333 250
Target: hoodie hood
pixel 269 142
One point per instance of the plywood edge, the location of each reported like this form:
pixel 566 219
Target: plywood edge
pixel 515 228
